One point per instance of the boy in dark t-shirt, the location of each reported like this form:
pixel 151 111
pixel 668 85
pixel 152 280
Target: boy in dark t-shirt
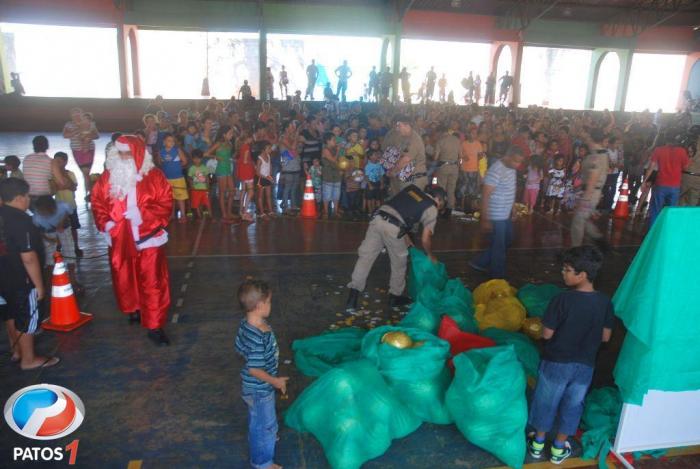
pixel 575 324
pixel 21 284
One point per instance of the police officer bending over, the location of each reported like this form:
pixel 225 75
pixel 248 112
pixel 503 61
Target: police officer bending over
pixel 399 216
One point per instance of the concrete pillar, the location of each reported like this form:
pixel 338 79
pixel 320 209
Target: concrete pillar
pixel 396 66
pixel 597 57
pixel 4 69
pixel 623 79
pixel 262 51
pixel 592 85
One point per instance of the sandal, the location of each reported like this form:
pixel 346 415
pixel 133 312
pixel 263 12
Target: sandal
pixel 51 361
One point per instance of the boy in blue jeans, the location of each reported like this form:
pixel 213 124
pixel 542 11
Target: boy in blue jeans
pixel 575 324
pixel 257 344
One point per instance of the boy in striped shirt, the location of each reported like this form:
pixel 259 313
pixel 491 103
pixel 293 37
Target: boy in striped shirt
pixel 257 344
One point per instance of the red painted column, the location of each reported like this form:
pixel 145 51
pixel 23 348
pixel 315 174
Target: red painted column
pixel 121 55
pixel 517 65
pixel 516 54
pixel 135 69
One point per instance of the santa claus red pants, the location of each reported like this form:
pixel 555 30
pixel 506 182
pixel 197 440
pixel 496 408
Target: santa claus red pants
pixel 142 283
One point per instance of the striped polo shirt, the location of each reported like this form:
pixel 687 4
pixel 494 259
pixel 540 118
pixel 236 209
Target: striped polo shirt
pixel 37 172
pixel 260 350
pixel 502 178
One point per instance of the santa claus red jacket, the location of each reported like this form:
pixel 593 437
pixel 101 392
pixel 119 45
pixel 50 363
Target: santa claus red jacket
pixel 137 221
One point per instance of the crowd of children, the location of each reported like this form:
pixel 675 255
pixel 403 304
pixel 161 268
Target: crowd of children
pixel 249 163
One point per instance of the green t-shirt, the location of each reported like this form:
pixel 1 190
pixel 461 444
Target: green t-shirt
pixel 224 158
pixel 200 177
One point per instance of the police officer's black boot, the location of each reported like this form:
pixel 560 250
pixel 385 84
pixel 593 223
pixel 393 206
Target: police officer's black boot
pixel 399 300
pixel 351 304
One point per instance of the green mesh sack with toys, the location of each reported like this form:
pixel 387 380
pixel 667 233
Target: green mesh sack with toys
pixel 314 356
pixel 353 414
pixel 421 317
pixel 536 298
pixel 413 363
pixel 425 273
pixel 487 401
pixel 525 349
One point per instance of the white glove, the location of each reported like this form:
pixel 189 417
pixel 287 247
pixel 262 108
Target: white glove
pixel 108 228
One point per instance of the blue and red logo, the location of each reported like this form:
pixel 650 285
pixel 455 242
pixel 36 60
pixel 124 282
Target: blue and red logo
pixel 44 412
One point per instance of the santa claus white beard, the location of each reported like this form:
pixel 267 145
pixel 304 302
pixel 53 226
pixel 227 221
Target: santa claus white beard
pixel 122 177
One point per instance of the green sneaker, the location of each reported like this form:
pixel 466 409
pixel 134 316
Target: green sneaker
pixel 533 447
pixel 560 454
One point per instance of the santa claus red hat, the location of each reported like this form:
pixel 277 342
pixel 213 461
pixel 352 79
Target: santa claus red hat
pixel 135 145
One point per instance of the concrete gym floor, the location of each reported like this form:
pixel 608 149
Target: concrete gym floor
pixel 179 406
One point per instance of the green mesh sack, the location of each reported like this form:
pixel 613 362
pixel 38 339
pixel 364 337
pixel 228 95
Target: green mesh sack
pixel 425 273
pixel 353 414
pixel 421 317
pixel 418 376
pixel 525 349
pixel 599 421
pixel 457 302
pixel 487 401
pixel 314 356
pixel 536 298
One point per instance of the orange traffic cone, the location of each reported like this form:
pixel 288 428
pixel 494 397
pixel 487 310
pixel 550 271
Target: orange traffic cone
pixel 622 208
pixel 308 206
pixel 65 315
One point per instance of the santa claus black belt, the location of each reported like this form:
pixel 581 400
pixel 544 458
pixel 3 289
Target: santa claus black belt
pixel 149 235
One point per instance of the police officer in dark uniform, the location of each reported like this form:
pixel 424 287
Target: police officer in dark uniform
pixel 399 216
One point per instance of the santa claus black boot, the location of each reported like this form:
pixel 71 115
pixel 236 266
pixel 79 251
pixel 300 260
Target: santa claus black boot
pixel 158 336
pixel 135 318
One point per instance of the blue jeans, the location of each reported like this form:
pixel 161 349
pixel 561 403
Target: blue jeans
pixel 662 196
pixel 494 258
pixel 262 428
pixel 561 388
pixel 291 189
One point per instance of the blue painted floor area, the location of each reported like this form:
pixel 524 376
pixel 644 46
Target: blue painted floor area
pixel 179 407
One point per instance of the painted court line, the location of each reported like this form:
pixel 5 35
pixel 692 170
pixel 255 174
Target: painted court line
pixel 183 288
pixel 354 252
pixel 176 316
pixel 197 240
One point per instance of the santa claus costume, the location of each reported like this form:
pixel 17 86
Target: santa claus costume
pixel 132 203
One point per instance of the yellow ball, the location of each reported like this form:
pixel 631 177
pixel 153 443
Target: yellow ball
pixel 477 215
pixel 343 163
pixel 397 339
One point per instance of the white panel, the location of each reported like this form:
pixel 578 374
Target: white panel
pixel 664 420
